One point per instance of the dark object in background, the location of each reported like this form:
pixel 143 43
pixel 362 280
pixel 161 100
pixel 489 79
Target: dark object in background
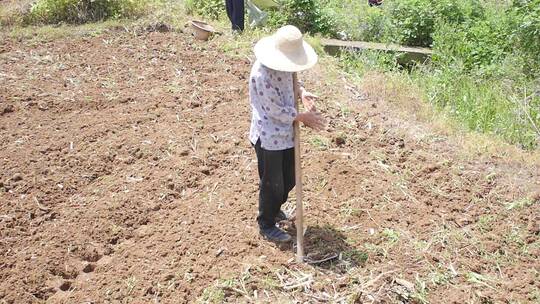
pixel 375 2
pixel 235 11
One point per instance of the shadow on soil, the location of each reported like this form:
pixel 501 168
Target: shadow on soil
pixel 327 248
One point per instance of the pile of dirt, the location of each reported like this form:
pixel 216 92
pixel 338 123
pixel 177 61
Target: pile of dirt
pixel 127 175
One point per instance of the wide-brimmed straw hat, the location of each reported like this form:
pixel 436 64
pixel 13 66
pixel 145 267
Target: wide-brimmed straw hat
pixel 286 51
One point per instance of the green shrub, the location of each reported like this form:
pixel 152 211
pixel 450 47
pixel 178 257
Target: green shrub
pixel 355 20
pixel 308 15
pixel 374 26
pixel 526 30
pixel 484 45
pixel 478 45
pixel 81 11
pixel 212 9
pixel 413 22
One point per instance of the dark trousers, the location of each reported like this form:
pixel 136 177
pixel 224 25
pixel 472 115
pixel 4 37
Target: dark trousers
pixel 276 173
pixel 235 11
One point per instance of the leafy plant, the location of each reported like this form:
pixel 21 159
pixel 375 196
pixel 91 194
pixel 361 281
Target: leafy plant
pixel 413 22
pixel 81 11
pixel 208 8
pixel 308 15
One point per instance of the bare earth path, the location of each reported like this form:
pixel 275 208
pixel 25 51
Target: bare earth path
pixel 126 177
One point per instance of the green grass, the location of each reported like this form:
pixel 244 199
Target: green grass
pixel 391 235
pixel 78 12
pixel 520 204
pixel 484 105
pixel 356 256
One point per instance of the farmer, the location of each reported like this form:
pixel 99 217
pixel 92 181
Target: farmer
pixel 273 114
pixel 235 12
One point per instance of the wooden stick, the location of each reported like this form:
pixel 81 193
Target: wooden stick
pixel 298 177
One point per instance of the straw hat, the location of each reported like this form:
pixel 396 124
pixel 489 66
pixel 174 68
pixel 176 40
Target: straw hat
pixel 286 51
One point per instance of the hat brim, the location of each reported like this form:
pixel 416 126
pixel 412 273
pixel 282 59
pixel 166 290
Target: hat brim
pixel 275 59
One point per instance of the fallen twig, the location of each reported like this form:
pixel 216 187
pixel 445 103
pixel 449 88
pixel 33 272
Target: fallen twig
pixel 41 207
pixel 328 257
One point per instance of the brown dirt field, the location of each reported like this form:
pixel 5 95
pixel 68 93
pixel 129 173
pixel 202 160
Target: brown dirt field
pixel 127 177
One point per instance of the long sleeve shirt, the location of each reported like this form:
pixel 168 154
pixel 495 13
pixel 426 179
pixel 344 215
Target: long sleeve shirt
pixel 273 111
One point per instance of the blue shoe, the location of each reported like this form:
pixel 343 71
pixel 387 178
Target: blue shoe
pixel 275 234
pixel 281 216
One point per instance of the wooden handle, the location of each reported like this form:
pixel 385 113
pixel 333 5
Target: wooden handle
pixel 298 177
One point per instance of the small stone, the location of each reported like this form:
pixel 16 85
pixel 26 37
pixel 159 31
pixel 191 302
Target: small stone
pixel 339 140
pixel 408 285
pixel 184 152
pixel 150 291
pixel 65 286
pixel 6 109
pixel 169 277
pixel 17 177
pixel 89 268
pixel 195 104
pixel 43 106
pixel 205 170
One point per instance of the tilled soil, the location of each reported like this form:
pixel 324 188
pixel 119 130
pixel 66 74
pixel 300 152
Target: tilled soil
pixel 126 176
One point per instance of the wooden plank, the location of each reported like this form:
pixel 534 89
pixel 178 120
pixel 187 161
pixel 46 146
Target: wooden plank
pixel 375 46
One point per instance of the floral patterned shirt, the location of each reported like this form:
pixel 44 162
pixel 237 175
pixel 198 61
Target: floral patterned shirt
pixel 272 103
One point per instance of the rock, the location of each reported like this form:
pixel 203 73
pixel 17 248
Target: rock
pixel 17 177
pixel 339 140
pixel 431 168
pixel 194 104
pixel 89 268
pixel 150 291
pixel 168 277
pixel 401 143
pixel 65 286
pixel 205 170
pixel 408 285
pixel 4 109
pixel 42 105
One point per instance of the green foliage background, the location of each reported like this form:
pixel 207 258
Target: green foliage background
pixel 81 11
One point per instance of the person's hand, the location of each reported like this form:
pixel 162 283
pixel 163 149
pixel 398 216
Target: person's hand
pixel 308 99
pixel 313 120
